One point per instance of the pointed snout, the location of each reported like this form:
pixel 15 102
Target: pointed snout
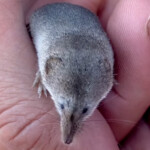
pixel 68 139
pixel 68 129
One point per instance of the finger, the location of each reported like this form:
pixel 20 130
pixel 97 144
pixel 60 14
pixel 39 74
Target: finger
pixel 97 131
pixel 128 32
pixel 138 139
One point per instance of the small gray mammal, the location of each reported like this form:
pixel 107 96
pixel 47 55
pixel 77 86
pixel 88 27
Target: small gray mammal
pixel 75 62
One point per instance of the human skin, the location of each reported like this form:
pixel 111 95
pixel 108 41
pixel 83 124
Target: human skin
pixel 27 122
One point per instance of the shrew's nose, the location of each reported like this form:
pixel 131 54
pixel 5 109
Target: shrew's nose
pixel 72 118
pixel 69 140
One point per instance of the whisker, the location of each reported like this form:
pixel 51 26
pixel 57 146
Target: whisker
pixel 129 122
pixel 46 124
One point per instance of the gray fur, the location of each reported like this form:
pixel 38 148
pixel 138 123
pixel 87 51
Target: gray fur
pixel 75 61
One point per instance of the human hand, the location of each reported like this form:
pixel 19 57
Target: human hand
pixel 126 23
pixel 31 123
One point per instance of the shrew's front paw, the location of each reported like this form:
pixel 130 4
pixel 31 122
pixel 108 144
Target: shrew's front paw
pixel 38 82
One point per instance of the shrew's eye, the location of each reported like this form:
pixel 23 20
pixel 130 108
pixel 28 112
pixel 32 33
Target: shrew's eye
pixel 62 106
pixel 84 110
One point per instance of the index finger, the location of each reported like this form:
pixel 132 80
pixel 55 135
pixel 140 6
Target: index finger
pixel 129 99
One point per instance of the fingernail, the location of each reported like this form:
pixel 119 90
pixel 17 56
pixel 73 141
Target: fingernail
pixel 148 26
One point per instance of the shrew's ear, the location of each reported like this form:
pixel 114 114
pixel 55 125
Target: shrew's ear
pixel 51 63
